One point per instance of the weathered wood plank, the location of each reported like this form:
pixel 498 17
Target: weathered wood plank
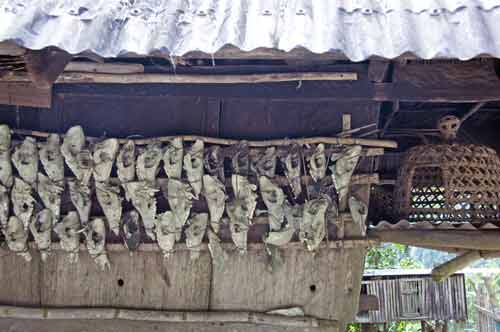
pixel 148 282
pixel 25 94
pixel 19 280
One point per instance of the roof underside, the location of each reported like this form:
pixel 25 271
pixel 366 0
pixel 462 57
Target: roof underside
pixel 359 29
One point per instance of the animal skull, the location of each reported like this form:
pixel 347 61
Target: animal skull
pixel 131 230
pixel 448 126
pixel 142 196
pixel 96 243
pixel 104 156
pixel 214 161
pixel 239 222
pixel 16 236
pixel 195 232
pixel 167 232
pixel 313 226
pixel 264 162
pixel 180 198
pixel 110 201
pixel 245 191
pixel 5 163
pixel 80 196
pixel 68 231
pixel 148 162
pixel 4 206
pixel 293 166
pixel 359 212
pixel 193 164
pixel 172 158
pixel 318 163
pixel 215 195
pixel 52 158
pixel 274 198
pixel 218 254
pixel 50 194
pixel 41 228
pixel 22 201
pixel 78 159
pixel 342 169
pixel 25 159
pixel 125 162
pixel 240 161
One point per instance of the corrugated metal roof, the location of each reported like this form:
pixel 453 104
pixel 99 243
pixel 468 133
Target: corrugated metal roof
pixel 423 225
pixel 359 29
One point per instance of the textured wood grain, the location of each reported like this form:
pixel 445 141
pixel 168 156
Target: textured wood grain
pixel 25 94
pixel 19 280
pixel 178 284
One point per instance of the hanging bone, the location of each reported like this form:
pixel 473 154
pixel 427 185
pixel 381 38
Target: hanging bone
pixel 131 230
pixel 52 158
pixel 214 161
pixel 274 199
pixel 96 243
pixel 80 196
pixel 317 162
pixel 359 212
pixel 343 166
pixel 173 157
pixel 16 236
pixel 104 156
pixel 167 232
pixel 142 196
pixel 245 191
pixel 5 162
pixel 78 159
pixel 125 162
pixel 293 166
pixel 180 198
pixel 280 237
pixel 218 254
pixel 193 164
pixel 240 162
pixel 4 207
pixel 22 201
pixel 68 230
pixel 263 162
pixel 50 194
pixel 110 201
pixel 148 162
pixel 313 226
pixel 25 159
pixel 294 215
pixel 215 195
pixel 239 223
pixel 195 231
pixel 41 228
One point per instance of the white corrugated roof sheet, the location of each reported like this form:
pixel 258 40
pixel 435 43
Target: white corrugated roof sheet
pixel 357 28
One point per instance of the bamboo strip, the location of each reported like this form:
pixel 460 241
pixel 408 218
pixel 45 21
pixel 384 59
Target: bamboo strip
pixel 163 316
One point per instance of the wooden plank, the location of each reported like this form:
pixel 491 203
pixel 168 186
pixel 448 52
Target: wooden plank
pixel 25 94
pixel 148 282
pixel 12 49
pixel 368 302
pixel 19 280
pixel 109 68
pixel 377 70
pixel 314 281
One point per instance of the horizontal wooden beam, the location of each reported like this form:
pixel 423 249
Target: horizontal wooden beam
pixel 254 318
pixel 445 270
pixel 25 94
pixel 105 68
pixel 457 239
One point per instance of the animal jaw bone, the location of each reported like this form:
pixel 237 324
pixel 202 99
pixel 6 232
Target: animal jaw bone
pixel 41 228
pixel 25 159
pixel 280 237
pixel 167 232
pixel 240 161
pixel 173 157
pixel 180 198
pixel 142 196
pixel 359 212
pixel 245 191
pixel 22 201
pixel 342 169
pixel 50 194
pixel 239 223
pixel 131 230
pixel 264 162
pixel 193 164
pixel 125 162
pixel 96 243
pixel 104 156
pixel 17 238
pixel 68 230
pixel 4 206
pixel 78 159
pixel 5 162
pixel 148 162
pixel 110 201
pixel 293 166
pixel 215 195
pixel 313 226
pixel 214 161
pixel 274 198
pixel 52 159
pixel 80 196
pixel 318 163
pixel 195 232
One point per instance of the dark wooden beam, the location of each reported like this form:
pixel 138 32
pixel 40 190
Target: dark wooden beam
pixel 25 94
pixel 368 303
pixel 44 66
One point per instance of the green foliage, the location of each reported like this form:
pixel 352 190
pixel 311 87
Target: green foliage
pixel 391 256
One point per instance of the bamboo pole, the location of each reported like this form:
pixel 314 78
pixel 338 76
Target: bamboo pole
pixel 254 318
pixel 224 141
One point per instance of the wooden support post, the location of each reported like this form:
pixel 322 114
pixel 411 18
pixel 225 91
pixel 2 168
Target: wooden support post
pixel 445 270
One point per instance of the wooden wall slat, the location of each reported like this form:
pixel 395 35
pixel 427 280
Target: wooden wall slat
pixel 25 94
pixel 19 280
